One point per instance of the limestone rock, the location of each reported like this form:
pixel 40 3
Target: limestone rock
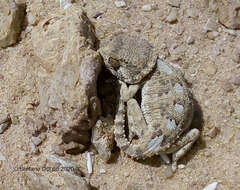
pixel 68 98
pixel 65 42
pixel 11 17
pixel 228 15
pixel 69 27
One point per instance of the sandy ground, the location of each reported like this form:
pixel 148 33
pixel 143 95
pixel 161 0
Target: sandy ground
pixel 211 65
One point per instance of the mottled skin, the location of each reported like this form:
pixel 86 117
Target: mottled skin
pixel 129 58
pixel 159 124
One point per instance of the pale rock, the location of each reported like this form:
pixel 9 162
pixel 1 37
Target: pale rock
pixel 192 13
pixel 168 172
pixel 227 86
pixel 227 134
pixel 120 4
pixel 213 5
pixel 53 32
pixel 211 24
pixel 31 19
pixel 2 157
pixel 228 15
pixel 65 4
pixel 213 132
pixel 172 17
pixel 36 141
pixel 11 18
pixel 56 149
pixel 210 69
pixel 212 35
pixel 102 171
pixel 179 29
pixel 236 56
pixel 236 80
pixel 211 186
pixel 181 166
pixel 65 44
pixel 190 40
pixel 147 8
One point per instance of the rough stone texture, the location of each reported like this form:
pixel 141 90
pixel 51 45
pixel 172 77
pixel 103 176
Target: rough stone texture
pixel 11 18
pixel 69 182
pixel 63 31
pixel 68 101
pixel 229 15
pixel 21 68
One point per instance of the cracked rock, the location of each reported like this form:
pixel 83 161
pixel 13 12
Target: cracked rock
pixel 68 96
pixel 11 18
pixel 229 15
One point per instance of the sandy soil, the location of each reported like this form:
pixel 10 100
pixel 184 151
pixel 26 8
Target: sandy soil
pixel 211 64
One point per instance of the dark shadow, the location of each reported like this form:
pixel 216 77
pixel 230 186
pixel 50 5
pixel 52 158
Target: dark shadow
pixel 114 156
pixel 108 92
pixel 94 188
pixel 197 123
pixel 154 161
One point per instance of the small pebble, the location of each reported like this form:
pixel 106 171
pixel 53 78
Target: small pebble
pixel 120 4
pixel 172 17
pixel 211 25
pixel 212 35
pixel 227 86
pixel 235 56
pixel 31 19
pixel 168 172
pixel 192 13
pixel 102 171
pixel 147 8
pixel 208 153
pixel 227 135
pixel 174 3
pixel 190 40
pixel 2 158
pixel 210 69
pixel 33 149
pixel 179 29
pixel 65 4
pixel 181 166
pixel 236 80
pixel 36 141
pixel 213 132
pixel 212 186
pixel 126 174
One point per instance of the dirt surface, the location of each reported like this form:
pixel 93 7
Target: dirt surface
pixel 186 34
